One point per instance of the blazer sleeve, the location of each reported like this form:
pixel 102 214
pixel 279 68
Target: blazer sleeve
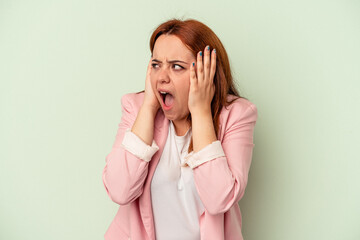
pixel 126 166
pixel 221 182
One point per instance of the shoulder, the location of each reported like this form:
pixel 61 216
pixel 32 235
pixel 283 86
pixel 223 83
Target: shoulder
pixel 132 100
pixel 239 105
pixel 241 109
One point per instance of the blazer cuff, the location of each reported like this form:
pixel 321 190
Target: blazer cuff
pixel 138 147
pixel 210 152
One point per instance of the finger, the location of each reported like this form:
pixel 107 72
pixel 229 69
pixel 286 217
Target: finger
pixel 207 63
pixel 193 79
pixel 213 65
pixel 200 69
pixel 149 67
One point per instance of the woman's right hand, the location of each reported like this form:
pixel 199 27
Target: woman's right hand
pixel 150 99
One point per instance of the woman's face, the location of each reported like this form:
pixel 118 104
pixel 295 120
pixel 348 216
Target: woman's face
pixel 171 73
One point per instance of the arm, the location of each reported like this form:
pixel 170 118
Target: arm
pixel 221 168
pixel 127 164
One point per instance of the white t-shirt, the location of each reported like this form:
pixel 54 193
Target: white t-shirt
pixel 176 205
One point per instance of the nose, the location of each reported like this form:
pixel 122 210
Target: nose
pixel 164 75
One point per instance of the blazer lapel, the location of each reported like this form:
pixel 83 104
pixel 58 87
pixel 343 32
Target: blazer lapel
pixel 161 129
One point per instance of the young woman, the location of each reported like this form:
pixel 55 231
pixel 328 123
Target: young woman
pixel 183 149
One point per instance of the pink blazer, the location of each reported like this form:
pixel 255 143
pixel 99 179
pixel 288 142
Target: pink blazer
pixel 220 182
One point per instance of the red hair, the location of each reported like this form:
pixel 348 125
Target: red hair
pixel 196 36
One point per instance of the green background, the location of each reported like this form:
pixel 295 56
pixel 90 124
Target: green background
pixel 64 66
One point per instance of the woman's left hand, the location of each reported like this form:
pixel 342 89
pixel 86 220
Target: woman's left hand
pixel 202 87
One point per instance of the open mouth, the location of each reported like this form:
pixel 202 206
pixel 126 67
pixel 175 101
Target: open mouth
pixel 167 98
pixel 163 95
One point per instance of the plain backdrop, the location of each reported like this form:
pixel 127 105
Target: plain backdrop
pixel 64 66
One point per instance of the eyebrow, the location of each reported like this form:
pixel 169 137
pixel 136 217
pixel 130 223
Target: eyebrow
pixel 172 61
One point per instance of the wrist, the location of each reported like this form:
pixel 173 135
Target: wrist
pixel 203 130
pixel 149 109
pixel 205 113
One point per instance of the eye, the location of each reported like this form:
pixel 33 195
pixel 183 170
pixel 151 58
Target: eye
pixel 178 66
pixel 153 65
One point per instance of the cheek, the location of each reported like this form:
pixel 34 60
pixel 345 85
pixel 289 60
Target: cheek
pixel 153 80
pixel 152 77
pixel 187 84
pixel 185 87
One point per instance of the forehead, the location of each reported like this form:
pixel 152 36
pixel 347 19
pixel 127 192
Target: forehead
pixel 170 47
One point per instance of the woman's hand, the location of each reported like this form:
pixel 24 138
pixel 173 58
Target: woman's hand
pixel 150 100
pixel 202 87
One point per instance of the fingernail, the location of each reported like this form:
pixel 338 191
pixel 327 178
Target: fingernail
pixel 214 50
pixel 208 48
pixel 193 64
pixel 200 53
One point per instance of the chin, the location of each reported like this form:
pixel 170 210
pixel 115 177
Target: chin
pixel 169 116
pixel 176 117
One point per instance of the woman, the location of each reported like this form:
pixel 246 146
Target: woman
pixel 182 153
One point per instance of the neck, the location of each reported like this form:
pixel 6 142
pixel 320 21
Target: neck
pixel 181 127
